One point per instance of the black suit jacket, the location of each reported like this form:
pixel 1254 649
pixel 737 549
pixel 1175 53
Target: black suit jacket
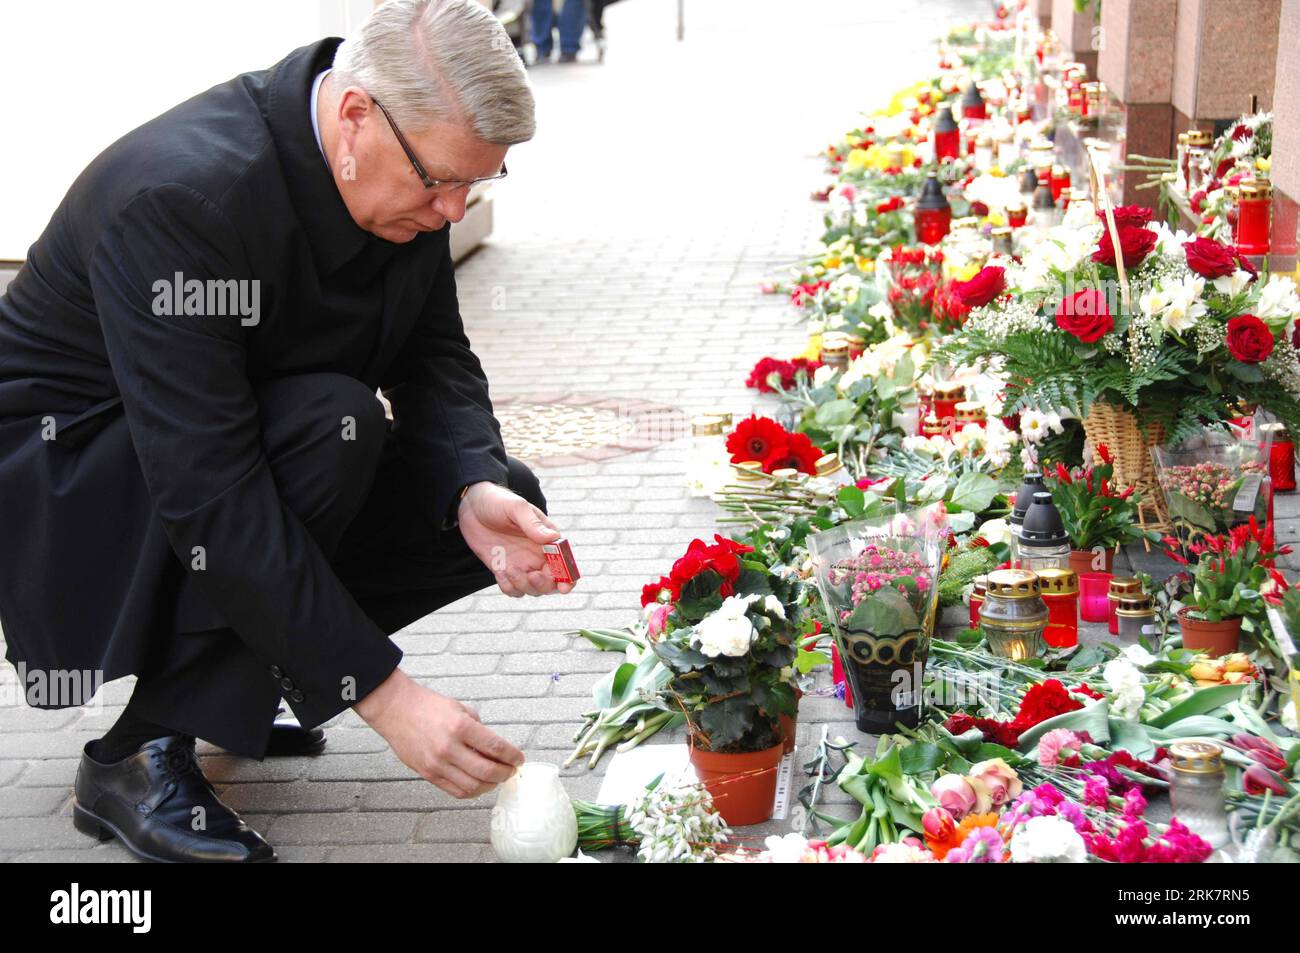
pixel 228 185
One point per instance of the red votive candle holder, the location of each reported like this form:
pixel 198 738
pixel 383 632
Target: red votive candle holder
pixel 1253 210
pixel 977 600
pixel 1093 590
pixel 1281 463
pixel 1060 590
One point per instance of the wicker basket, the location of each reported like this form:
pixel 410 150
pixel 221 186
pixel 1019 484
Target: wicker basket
pixel 1130 449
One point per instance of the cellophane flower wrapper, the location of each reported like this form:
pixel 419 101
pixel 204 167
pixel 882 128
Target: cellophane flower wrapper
pixel 1214 482
pixel 878 579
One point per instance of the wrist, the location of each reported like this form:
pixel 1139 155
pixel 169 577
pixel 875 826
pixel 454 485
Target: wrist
pixel 376 706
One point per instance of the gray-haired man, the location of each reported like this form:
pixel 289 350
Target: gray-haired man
pixel 197 481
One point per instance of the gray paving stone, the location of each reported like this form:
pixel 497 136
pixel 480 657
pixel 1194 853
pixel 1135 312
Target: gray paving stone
pixel 342 828
pixel 32 802
pixel 411 854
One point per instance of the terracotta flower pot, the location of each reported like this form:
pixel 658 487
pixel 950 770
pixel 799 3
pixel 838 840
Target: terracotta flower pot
pixel 1212 638
pixel 743 786
pixel 789 723
pixel 1081 561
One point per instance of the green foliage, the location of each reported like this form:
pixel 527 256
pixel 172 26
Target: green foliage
pixel 961 569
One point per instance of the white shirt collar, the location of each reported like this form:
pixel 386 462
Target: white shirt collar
pixel 315 123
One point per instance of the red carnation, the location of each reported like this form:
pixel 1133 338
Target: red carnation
pixel 1085 315
pixel 1210 259
pixel 1249 339
pixel 754 438
pixel 891 204
pixel 983 288
pixel 1132 215
pixel 1135 244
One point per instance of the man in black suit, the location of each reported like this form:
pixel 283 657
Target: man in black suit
pixel 198 483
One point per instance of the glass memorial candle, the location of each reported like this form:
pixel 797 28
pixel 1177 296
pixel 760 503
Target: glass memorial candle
pixel 1013 615
pixel 1093 590
pixel 1060 590
pixel 933 213
pixel 1253 214
pixel 1121 587
pixel 947 138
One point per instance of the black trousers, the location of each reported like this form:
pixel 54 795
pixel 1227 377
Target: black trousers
pixel 361 504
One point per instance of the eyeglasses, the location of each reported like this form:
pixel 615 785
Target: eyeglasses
pixel 440 186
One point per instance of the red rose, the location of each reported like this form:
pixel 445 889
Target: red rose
pixel 889 205
pixel 1249 339
pixel 983 288
pixel 1135 244
pixel 754 438
pixel 1209 258
pixel 1133 215
pixel 1085 315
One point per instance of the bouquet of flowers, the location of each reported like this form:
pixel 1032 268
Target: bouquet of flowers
pixel 878 578
pixel 1214 482
pixel 1193 330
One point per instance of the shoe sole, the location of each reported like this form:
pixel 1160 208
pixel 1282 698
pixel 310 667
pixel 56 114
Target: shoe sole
pixel 100 829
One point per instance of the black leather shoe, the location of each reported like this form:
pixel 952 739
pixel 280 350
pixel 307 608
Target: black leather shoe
pixel 289 738
pixel 162 808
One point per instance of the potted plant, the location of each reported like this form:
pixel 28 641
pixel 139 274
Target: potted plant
pixel 1098 516
pixel 1227 576
pixel 729 641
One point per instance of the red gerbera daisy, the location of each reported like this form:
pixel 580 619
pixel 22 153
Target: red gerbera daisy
pixel 754 438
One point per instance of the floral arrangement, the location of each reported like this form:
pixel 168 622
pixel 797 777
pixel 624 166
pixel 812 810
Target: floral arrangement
pixel 1203 330
pixel 1095 513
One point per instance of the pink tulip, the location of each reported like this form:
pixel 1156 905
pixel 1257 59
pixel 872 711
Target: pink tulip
pixel 939 824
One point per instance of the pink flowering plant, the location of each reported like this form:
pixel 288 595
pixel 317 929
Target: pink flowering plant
pixel 877 577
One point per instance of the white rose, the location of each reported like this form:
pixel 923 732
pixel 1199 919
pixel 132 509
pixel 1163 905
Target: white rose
pixel 724 635
pixel 1047 840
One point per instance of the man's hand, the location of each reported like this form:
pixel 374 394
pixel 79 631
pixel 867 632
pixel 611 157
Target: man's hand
pixel 507 532
pixel 438 738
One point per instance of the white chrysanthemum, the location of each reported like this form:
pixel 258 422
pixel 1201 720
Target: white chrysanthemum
pixel 1047 840
pixel 1278 299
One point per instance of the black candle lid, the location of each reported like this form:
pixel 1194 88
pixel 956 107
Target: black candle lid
pixel 943 121
pixel 972 96
pixel 932 194
pixel 1028 180
pixel 1025 495
pixel 1043 522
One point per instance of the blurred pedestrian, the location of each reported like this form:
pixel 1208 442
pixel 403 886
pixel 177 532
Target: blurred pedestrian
pixel 572 20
